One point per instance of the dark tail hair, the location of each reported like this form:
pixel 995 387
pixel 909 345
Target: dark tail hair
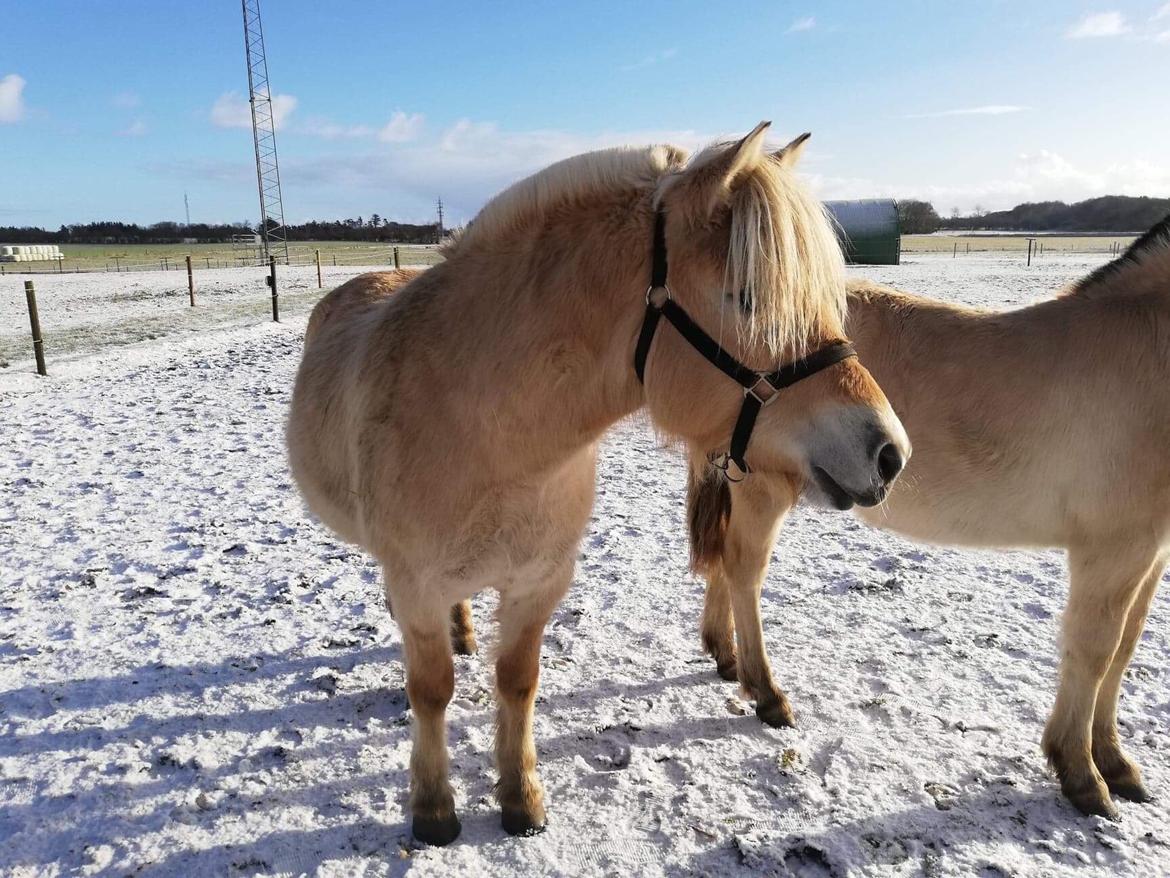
pixel 708 515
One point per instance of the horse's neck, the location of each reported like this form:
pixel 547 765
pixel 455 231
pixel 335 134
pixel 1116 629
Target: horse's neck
pixel 551 352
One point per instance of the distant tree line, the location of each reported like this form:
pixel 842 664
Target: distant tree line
pixel 1109 213
pixel 373 229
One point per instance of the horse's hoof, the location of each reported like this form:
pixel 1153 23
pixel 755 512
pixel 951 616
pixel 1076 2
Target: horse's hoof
pixel 516 822
pixel 464 647
pixel 1129 789
pixel 728 670
pixel 776 714
pixel 437 831
pixel 1092 802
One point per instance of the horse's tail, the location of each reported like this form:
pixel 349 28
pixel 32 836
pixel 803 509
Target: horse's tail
pixel 708 515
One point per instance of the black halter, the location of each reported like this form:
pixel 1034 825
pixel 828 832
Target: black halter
pixel 759 388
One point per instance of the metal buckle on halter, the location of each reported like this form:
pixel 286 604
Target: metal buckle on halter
pixel 769 396
pixel 722 461
pixel 662 300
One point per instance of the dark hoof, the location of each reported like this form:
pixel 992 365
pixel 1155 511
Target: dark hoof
pixel 521 824
pixel 1130 790
pixel 776 714
pixel 463 647
pixel 728 670
pixel 1092 802
pixel 437 831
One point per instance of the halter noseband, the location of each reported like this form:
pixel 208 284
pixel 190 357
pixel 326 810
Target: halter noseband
pixel 759 388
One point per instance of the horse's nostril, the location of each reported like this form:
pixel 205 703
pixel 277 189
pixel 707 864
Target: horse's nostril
pixel 889 462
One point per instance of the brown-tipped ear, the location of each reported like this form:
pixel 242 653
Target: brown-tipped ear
pixel 788 155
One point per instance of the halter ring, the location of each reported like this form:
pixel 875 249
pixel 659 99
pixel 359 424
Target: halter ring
pixel 661 300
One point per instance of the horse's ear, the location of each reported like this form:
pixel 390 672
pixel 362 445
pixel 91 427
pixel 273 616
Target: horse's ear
pixel 711 182
pixel 744 155
pixel 788 155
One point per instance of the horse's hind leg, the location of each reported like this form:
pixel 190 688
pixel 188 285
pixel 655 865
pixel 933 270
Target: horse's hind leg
pixel 430 682
pixel 521 628
pixel 1103 581
pixel 462 629
pixel 1121 774
pixel 718 630
pixel 756 515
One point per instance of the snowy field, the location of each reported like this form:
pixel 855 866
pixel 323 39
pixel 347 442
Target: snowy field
pixel 195 679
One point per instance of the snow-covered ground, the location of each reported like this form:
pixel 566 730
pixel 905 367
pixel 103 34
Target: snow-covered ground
pixel 195 679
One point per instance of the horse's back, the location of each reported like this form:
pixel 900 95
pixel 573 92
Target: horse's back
pixel 356 293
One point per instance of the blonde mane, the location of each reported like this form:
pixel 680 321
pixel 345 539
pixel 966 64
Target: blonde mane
pixel 782 251
pixel 783 257
pixel 571 178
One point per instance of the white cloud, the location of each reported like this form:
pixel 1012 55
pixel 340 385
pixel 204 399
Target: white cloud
pixel 466 164
pixel 231 110
pixel 808 22
pixel 1099 24
pixel 126 100
pixel 1163 37
pixel 137 128
pixel 652 59
pixel 1038 176
pixel 986 110
pixel 402 127
pixel 1163 12
pixel 11 98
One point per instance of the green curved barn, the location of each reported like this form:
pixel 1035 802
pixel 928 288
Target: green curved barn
pixel 868 230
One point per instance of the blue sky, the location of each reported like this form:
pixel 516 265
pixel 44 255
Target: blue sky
pixel 113 110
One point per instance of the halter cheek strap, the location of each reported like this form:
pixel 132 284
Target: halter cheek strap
pixel 759 388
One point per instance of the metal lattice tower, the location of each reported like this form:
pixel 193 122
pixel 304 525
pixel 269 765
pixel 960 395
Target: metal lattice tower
pixel 272 230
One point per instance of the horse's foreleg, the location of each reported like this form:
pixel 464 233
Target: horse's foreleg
pixel 718 630
pixel 430 682
pixel 1121 774
pixel 756 513
pixel 462 629
pixel 1103 581
pixel 521 628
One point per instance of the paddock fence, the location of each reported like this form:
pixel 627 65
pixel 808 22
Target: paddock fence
pixel 50 316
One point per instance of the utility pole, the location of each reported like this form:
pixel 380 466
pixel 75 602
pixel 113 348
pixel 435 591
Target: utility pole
pixel 187 207
pixel 440 220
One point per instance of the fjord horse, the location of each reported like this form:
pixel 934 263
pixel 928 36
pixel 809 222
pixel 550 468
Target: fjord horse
pixel 450 428
pixel 1045 426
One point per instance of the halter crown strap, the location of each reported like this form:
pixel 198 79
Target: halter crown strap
pixel 760 388
pixel 657 282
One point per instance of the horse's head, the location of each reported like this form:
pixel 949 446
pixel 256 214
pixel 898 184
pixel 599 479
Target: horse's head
pixel 754 262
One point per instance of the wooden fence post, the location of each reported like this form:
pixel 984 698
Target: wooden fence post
pixel 1029 251
pixel 30 296
pixel 272 283
pixel 190 281
pixel 397 264
pixel 318 252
